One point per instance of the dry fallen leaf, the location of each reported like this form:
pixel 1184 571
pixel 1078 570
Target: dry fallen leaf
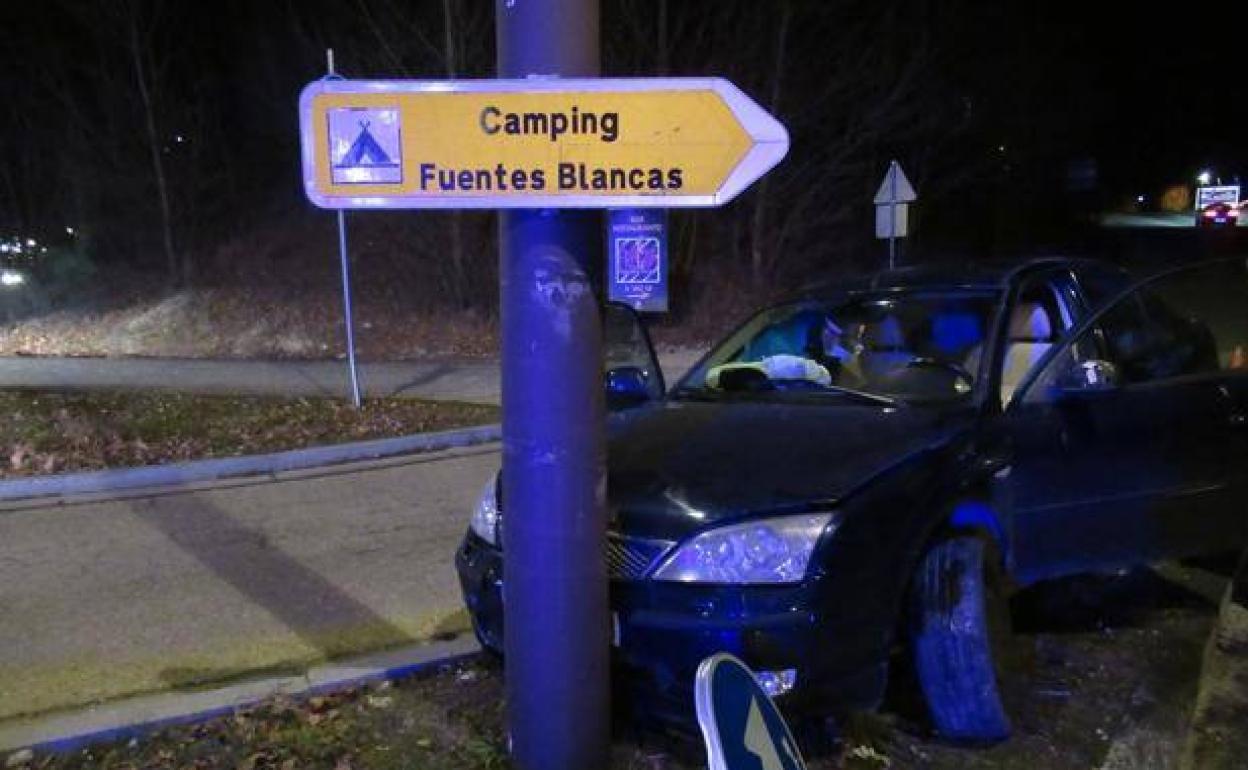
pixel 18 456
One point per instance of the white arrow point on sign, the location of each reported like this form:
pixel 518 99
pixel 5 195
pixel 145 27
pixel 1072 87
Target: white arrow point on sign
pixel 758 739
pixel 895 183
pixel 771 140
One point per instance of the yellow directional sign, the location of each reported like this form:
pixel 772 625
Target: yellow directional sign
pixel 533 143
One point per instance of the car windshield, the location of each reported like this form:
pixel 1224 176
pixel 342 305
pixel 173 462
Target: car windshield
pixel 907 346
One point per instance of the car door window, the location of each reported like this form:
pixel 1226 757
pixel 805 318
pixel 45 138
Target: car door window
pixel 1098 284
pixel 626 345
pixel 1188 323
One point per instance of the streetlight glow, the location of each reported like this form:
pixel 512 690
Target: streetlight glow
pixel 1204 177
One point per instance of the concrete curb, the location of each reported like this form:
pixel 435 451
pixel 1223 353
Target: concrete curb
pixel 226 467
pixel 1216 738
pixel 141 715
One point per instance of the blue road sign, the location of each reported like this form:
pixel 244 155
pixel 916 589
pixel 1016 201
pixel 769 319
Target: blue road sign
pixel 742 728
pixel 637 258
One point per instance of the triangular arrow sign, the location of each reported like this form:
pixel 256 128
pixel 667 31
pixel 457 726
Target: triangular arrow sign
pixel 895 188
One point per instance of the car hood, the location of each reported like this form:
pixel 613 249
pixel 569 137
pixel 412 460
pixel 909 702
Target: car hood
pixel 679 466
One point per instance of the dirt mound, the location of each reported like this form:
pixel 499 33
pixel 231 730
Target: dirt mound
pixel 234 323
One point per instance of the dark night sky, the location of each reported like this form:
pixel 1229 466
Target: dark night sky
pixel 1152 95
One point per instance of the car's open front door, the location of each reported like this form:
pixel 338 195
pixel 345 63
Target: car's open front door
pixel 1123 444
pixel 630 367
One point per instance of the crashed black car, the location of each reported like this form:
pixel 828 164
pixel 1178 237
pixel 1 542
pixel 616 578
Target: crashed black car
pixel 876 465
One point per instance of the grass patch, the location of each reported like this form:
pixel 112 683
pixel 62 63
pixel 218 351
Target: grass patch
pixel 49 432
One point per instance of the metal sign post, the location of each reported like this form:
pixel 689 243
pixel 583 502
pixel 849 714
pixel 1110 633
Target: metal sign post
pixel 557 639
pixel 348 314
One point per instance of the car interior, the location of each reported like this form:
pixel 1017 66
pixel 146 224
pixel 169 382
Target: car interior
pixel 884 348
pixel 1040 316
pixel 1031 336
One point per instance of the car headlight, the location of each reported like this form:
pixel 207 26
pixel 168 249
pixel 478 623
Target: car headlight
pixel 485 513
pixel 774 550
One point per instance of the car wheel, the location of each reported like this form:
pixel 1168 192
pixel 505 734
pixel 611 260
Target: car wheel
pixel 958 617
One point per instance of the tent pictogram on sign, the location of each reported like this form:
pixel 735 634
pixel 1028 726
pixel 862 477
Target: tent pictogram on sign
pixel 365 151
pixel 365 146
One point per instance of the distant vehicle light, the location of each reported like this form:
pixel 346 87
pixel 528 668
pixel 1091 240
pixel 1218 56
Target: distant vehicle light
pixel 12 278
pixel 1139 199
pixel 1211 212
pixel 30 242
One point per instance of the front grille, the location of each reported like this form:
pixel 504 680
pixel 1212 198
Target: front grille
pixel 629 558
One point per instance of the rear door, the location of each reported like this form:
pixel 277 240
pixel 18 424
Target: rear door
pixel 1125 446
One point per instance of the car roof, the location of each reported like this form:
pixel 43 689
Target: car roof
pixel 987 275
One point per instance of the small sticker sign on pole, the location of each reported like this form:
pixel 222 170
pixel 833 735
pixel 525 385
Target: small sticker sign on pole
pixel 637 258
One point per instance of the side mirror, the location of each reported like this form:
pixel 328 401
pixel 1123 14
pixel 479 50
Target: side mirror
pixel 627 386
pixel 1093 376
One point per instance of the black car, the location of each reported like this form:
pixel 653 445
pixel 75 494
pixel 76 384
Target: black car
pixel 877 465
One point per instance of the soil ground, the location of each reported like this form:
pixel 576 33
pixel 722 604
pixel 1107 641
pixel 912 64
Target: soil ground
pixel 1110 683
pixel 51 432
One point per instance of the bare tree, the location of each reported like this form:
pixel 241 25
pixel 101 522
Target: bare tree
pixel 758 225
pixel 450 53
pixel 139 43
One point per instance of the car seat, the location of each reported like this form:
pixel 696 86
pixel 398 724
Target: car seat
pixel 1031 336
pixel 884 348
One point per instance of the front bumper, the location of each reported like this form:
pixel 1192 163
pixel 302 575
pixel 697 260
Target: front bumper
pixel 662 632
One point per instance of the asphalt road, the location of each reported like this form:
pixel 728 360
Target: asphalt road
pixel 1150 219
pixel 105 598
pixel 475 380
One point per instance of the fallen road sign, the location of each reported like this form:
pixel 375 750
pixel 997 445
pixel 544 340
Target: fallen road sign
pixel 534 143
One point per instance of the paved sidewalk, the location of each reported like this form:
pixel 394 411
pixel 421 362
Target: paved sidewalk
pixel 106 598
pixel 459 379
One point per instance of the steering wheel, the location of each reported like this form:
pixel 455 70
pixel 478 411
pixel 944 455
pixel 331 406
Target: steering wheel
pixel 920 362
